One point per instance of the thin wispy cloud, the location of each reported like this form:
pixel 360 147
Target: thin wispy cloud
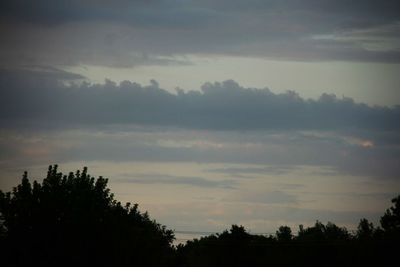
pixel 265 197
pixel 250 171
pixel 176 180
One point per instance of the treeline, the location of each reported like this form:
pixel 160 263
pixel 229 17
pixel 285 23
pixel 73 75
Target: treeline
pixel 74 220
pixel 319 245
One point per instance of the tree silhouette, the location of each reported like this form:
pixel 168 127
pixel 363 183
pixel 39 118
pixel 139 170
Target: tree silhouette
pixel 317 245
pixel 365 230
pixel 321 232
pixel 72 220
pixel 284 233
pixel 390 221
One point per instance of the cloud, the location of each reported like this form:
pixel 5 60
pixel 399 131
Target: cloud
pixel 37 75
pixel 39 99
pixel 119 33
pixel 177 180
pixel 260 154
pixel 137 12
pixel 192 13
pixel 249 171
pixel 272 197
pixel 48 115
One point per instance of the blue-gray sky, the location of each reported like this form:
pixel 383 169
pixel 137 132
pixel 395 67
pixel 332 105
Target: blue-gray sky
pixel 209 113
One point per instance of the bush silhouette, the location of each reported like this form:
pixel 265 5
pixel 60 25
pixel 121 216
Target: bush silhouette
pixel 73 220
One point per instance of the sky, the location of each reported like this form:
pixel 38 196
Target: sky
pixel 209 113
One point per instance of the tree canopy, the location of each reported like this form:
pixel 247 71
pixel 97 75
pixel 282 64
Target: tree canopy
pixel 70 220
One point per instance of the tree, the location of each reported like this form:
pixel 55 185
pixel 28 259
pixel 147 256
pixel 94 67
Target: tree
pixel 315 233
pixel 284 233
pixel 365 230
pixel 321 232
pixel 390 221
pixel 71 220
pixel 335 233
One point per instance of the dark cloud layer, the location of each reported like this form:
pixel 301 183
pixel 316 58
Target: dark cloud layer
pixel 130 33
pixel 49 99
pixel 62 11
pixel 223 123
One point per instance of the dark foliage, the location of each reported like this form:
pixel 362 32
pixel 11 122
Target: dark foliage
pixel 365 230
pixel 284 234
pixel 73 220
pixel 390 221
pixel 318 245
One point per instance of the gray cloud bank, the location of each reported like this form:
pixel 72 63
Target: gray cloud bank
pixel 47 99
pixel 48 12
pixel 130 33
pixel 223 123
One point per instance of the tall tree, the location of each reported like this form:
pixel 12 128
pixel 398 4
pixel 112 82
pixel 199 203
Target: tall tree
pixel 365 230
pixel 390 221
pixel 284 233
pixel 70 220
